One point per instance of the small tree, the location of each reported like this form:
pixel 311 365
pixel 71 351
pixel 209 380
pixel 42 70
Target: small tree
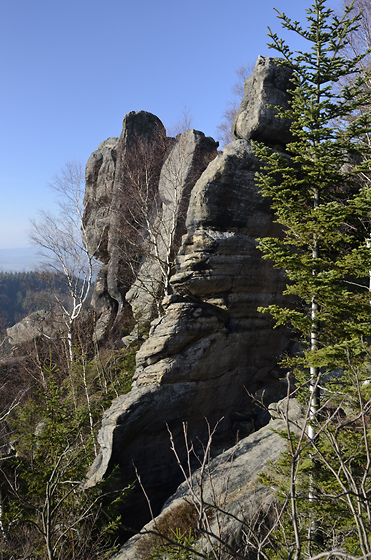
pixel 44 506
pixel 155 185
pixel 323 209
pixel 63 238
pixel 136 236
pixel 182 124
pixel 360 38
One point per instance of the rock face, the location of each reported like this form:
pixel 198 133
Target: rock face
pixel 212 354
pixel 99 187
pixel 231 485
pixel 103 216
pixel 175 165
pixel 99 181
pixel 212 345
pixel 187 158
pixel 212 328
pixel 256 119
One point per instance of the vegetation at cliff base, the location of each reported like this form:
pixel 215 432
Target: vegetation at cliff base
pixel 50 415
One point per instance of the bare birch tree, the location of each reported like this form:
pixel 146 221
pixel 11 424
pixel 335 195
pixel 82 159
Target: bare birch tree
pixel 156 187
pixel 62 237
pixel 182 124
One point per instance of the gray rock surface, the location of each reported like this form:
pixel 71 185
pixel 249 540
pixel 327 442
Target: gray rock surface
pixel 256 119
pixel 137 127
pixel 36 324
pixel 99 181
pixel 105 307
pixel 188 157
pixel 230 484
pixel 212 351
pixel 177 163
pixel 104 204
pixel 212 354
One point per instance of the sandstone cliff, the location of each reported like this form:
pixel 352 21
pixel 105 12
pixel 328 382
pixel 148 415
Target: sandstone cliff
pixel 211 354
pixel 142 171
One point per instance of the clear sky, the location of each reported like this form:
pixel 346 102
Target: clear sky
pixel 71 70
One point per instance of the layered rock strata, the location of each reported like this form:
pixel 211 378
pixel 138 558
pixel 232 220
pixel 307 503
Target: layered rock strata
pixel 173 166
pixel 256 118
pixel 211 349
pixel 188 157
pixel 212 354
pixel 104 214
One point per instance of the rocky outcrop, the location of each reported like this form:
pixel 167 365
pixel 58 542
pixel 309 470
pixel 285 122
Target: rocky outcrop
pixel 212 327
pixel 212 354
pixel 230 485
pixel 104 213
pixel 256 118
pixel 175 165
pixel 187 158
pixel 141 132
pixel 99 182
pixel 37 324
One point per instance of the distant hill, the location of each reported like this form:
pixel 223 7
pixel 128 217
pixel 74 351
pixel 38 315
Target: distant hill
pixel 22 293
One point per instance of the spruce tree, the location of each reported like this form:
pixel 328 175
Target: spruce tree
pixel 324 210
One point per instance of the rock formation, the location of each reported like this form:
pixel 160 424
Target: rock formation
pixel 108 218
pixel 188 157
pixel 230 485
pixel 104 200
pixel 212 347
pixel 256 118
pixel 212 354
pixel 35 325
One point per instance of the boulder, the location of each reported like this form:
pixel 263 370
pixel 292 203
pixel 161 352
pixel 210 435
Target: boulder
pixel 36 324
pixel 256 118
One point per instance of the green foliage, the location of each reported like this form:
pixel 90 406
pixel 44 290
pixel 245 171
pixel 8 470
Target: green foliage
pixel 54 432
pixel 42 483
pixel 340 459
pixel 179 549
pixel 322 200
pixel 318 197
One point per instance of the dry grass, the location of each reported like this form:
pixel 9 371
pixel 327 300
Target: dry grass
pixel 179 521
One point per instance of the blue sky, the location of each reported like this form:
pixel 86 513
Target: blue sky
pixel 71 70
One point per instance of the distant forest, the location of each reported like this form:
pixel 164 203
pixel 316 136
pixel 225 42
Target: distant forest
pixel 22 293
